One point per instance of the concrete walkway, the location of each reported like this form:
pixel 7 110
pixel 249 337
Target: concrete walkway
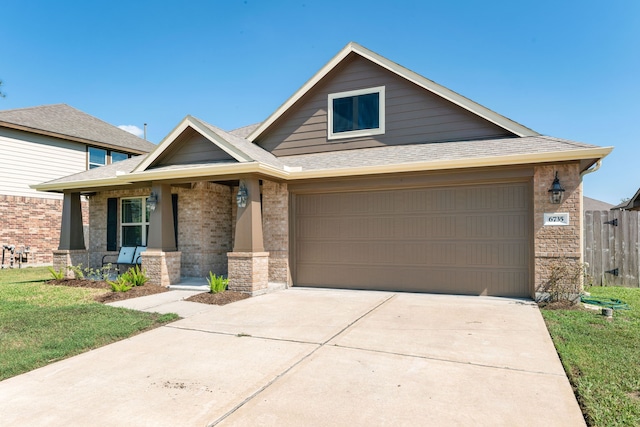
pixel 311 357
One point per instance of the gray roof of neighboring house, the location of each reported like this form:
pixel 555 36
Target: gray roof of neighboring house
pixel 63 121
pixel 400 154
pixel 632 203
pixel 590 204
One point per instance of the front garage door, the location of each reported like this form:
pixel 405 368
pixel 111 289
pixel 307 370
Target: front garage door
pixel 465 239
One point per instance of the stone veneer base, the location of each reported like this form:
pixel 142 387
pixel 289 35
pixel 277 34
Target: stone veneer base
pixel 64 258
pixel 249 272
pixel 162 268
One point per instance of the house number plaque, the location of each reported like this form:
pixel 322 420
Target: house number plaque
pixel 556 219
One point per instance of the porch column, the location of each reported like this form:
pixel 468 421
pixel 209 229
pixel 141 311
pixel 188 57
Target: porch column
pixel 161 260
pixel 249 263
pixel 161 232
pixel 71 249
pixel 71 231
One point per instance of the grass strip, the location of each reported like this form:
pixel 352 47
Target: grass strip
pixel 601 357
pixel 41 324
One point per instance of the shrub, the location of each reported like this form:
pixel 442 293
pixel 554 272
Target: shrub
pixel 129 279
pixel 57 275
pixel 565 280
pixel 136 276
pixel 217 283
pixel 121 284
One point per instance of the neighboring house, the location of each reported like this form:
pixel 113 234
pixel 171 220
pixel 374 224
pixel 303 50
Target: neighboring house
pixel 589 204
pixel 370 177
pixel 44 143
pixel 633 204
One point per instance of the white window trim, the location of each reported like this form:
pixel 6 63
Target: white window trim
pixel 361 132
pixel 144 222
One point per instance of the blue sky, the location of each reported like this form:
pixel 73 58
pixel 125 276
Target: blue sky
pixel 568 69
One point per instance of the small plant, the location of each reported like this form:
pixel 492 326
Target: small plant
pixel 77 271
pixel 217 283
pixel 121 284
pixel 129 279
pixel 57 275
pixel 136 276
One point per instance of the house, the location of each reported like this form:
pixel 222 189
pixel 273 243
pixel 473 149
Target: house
pixel 44 143
pixel 590 204
pixel 370 176
pixel 633 204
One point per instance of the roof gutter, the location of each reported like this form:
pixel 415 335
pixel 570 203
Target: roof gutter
pixel 290 174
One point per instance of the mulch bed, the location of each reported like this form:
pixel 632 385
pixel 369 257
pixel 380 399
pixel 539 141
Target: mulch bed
pixel 221 298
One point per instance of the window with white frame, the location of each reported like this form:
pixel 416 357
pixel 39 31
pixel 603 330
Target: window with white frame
pixel 356 113
pixel 97 157
pixel 134 221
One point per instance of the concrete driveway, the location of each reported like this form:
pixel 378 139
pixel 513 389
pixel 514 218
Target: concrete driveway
pixel 313 357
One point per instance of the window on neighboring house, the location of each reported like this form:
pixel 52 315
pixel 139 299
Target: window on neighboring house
pixel 97 157
pixel 356 113
pixel 134 221
pixel 118 157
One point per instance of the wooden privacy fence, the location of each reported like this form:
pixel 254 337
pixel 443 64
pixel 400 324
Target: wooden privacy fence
pixel 611 247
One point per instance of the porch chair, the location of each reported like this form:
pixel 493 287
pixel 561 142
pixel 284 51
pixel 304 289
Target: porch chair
pixel 137 256
pixel 125 256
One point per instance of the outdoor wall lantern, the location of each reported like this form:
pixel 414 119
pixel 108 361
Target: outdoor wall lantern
pixel 242 196
pixel 152 201
pixel 556 192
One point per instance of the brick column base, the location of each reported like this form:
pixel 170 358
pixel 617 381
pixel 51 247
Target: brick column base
pixel 162 268
pixel 248 272
pixel 64 258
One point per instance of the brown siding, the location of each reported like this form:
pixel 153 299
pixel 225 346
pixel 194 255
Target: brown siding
pixel 413 115
pixel 192 147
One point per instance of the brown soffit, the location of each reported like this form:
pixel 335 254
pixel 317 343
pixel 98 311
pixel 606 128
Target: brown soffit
pixel 405 73
pixel 290 174
pixel 91 142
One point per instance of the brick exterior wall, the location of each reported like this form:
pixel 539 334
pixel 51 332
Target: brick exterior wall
pixel 275 228
pixel 204 226
pixel 34 222
pixel 249 272
pixel 553 242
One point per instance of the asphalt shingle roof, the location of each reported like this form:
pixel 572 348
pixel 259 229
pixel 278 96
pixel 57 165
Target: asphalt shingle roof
pixel 404 154
pixel 63 120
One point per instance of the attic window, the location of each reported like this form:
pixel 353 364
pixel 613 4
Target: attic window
pixel 356 113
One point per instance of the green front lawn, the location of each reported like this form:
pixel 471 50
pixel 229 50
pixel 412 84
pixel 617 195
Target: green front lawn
pixel 602 357
pixel 40 324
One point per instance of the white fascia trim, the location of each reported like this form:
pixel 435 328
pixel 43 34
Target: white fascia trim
pixel 300 92
pixel 380 90
pixel 224 145
pixel 195 124
pixel 398 69
pixel 445 93
pixel 79 185
pixel 207 170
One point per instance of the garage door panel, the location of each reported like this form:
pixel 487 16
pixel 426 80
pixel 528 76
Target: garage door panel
pixel 470 240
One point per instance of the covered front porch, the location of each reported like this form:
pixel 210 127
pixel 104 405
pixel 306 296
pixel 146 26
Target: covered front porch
pixel 233 227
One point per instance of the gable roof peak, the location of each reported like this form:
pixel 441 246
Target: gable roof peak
pixel 430 85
